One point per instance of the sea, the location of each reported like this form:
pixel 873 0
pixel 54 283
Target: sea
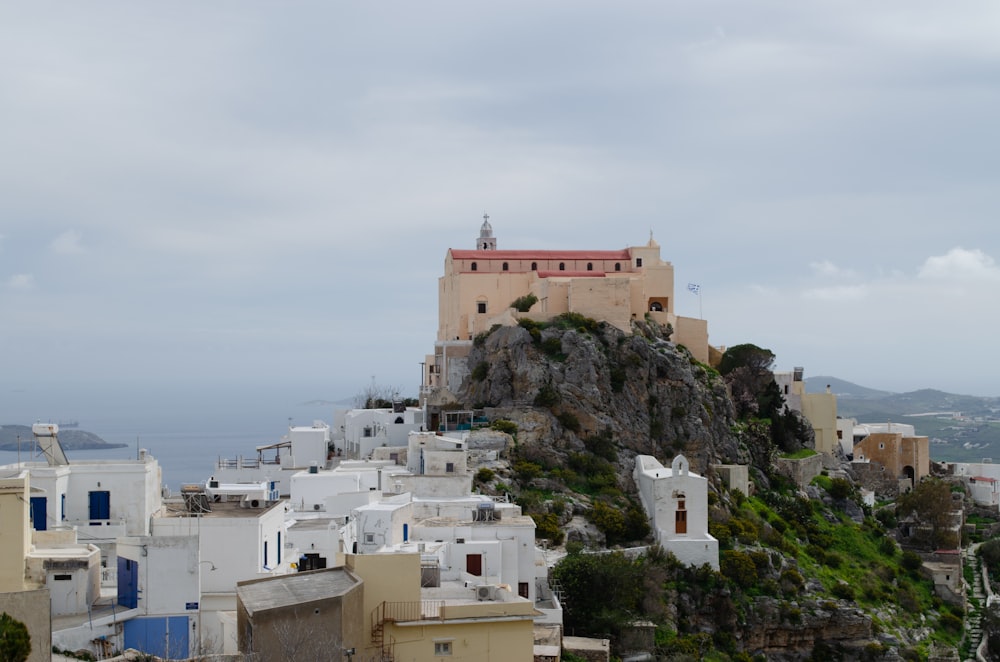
pixel 187 428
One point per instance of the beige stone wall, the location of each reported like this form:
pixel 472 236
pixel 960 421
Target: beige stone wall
pixel 32 609
pixel 15 541
pixel 492 641
pixel 883 448
pixel 915 452
pixel 693 334
pixel 821 411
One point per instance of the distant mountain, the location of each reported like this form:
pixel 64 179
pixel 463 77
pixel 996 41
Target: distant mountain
pixel 842 388
pixel 72 440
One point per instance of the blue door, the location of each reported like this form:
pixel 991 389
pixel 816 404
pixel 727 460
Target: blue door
pixel 100 505
pixel 165 636
pixel 39 513
pixel 128 583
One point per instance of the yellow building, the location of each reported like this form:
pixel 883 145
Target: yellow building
pixel 407 622
pixel 25 600
pixel 820 409
pixel 479 287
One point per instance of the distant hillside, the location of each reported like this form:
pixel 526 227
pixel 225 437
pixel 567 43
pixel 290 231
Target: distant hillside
pixel 962 428
pixel 72 440
pixel 842 388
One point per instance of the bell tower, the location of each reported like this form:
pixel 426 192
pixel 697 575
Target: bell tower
pixel 486 241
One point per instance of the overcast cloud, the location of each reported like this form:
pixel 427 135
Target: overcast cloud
pixel 242 192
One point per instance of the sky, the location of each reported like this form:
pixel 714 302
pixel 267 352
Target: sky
pixel 258 193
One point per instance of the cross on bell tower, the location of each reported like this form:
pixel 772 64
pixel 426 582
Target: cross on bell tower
pixel 486 241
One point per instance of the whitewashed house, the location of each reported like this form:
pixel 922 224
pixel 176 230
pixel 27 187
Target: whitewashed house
pixel 358 432
pixel 303 447
pixel 676 501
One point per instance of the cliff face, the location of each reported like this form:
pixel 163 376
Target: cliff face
pixel 563 385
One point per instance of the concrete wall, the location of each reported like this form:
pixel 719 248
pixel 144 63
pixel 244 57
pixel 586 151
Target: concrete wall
pixel 801 471
pixel 32 609
pixel 734 476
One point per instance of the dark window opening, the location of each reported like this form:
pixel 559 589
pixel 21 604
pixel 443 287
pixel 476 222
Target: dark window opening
pixel 562 266
pixel 481 307
pixel 638 263
pixel 522 589
pixel 505 268
pixel 62 578
pixel 534 266
pixel 475 267
pixel 618 266
pixel 449 467
pixel 590 266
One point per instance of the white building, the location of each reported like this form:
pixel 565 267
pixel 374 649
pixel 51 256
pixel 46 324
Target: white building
pixel 360 431
pixel 983 480
pixel 182 577
pixel 101 499
pixel 676 501
pixel 303 447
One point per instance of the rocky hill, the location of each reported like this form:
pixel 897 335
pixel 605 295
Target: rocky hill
pixel 803 574
pixel 577 379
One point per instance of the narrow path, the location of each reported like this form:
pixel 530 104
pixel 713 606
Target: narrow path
pixel 976 602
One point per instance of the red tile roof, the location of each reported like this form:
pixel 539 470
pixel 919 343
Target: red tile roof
pixel 460 254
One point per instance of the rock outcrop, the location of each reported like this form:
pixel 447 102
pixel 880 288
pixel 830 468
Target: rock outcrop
pixel 562 386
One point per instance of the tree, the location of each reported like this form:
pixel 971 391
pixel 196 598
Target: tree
pixel 757 359
pixel 747 370
pixel 15 642
pixel 601 592
pixel 930 505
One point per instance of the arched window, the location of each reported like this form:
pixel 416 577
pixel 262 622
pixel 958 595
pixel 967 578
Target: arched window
pixel 534 266
pixel 590 266
pixel 618 266
pixel 505 266
pixel 475 267
pixel 562 266
pixel 656 307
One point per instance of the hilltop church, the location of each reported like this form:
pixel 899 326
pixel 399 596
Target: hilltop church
pixel 480 285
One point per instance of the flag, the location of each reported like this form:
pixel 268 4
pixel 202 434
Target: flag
pixel 694 288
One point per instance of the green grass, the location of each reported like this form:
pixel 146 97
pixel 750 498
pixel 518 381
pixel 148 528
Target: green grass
pixel 799 454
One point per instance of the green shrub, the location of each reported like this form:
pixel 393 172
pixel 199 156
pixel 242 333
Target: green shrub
pixel 602 445
pixel 547 527
pixel 484 475
pixel 15 642
pixel 617 376
pixel 526 471
pixel 481 371
pixel 503 425
pixel 569 421
pixel 841 489
pixel 552 347
pixel 547 396
pixel 738 568
pixel 911 562
pixel 523 304
pixel 843 590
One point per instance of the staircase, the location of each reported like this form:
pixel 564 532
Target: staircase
pixel 976 604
